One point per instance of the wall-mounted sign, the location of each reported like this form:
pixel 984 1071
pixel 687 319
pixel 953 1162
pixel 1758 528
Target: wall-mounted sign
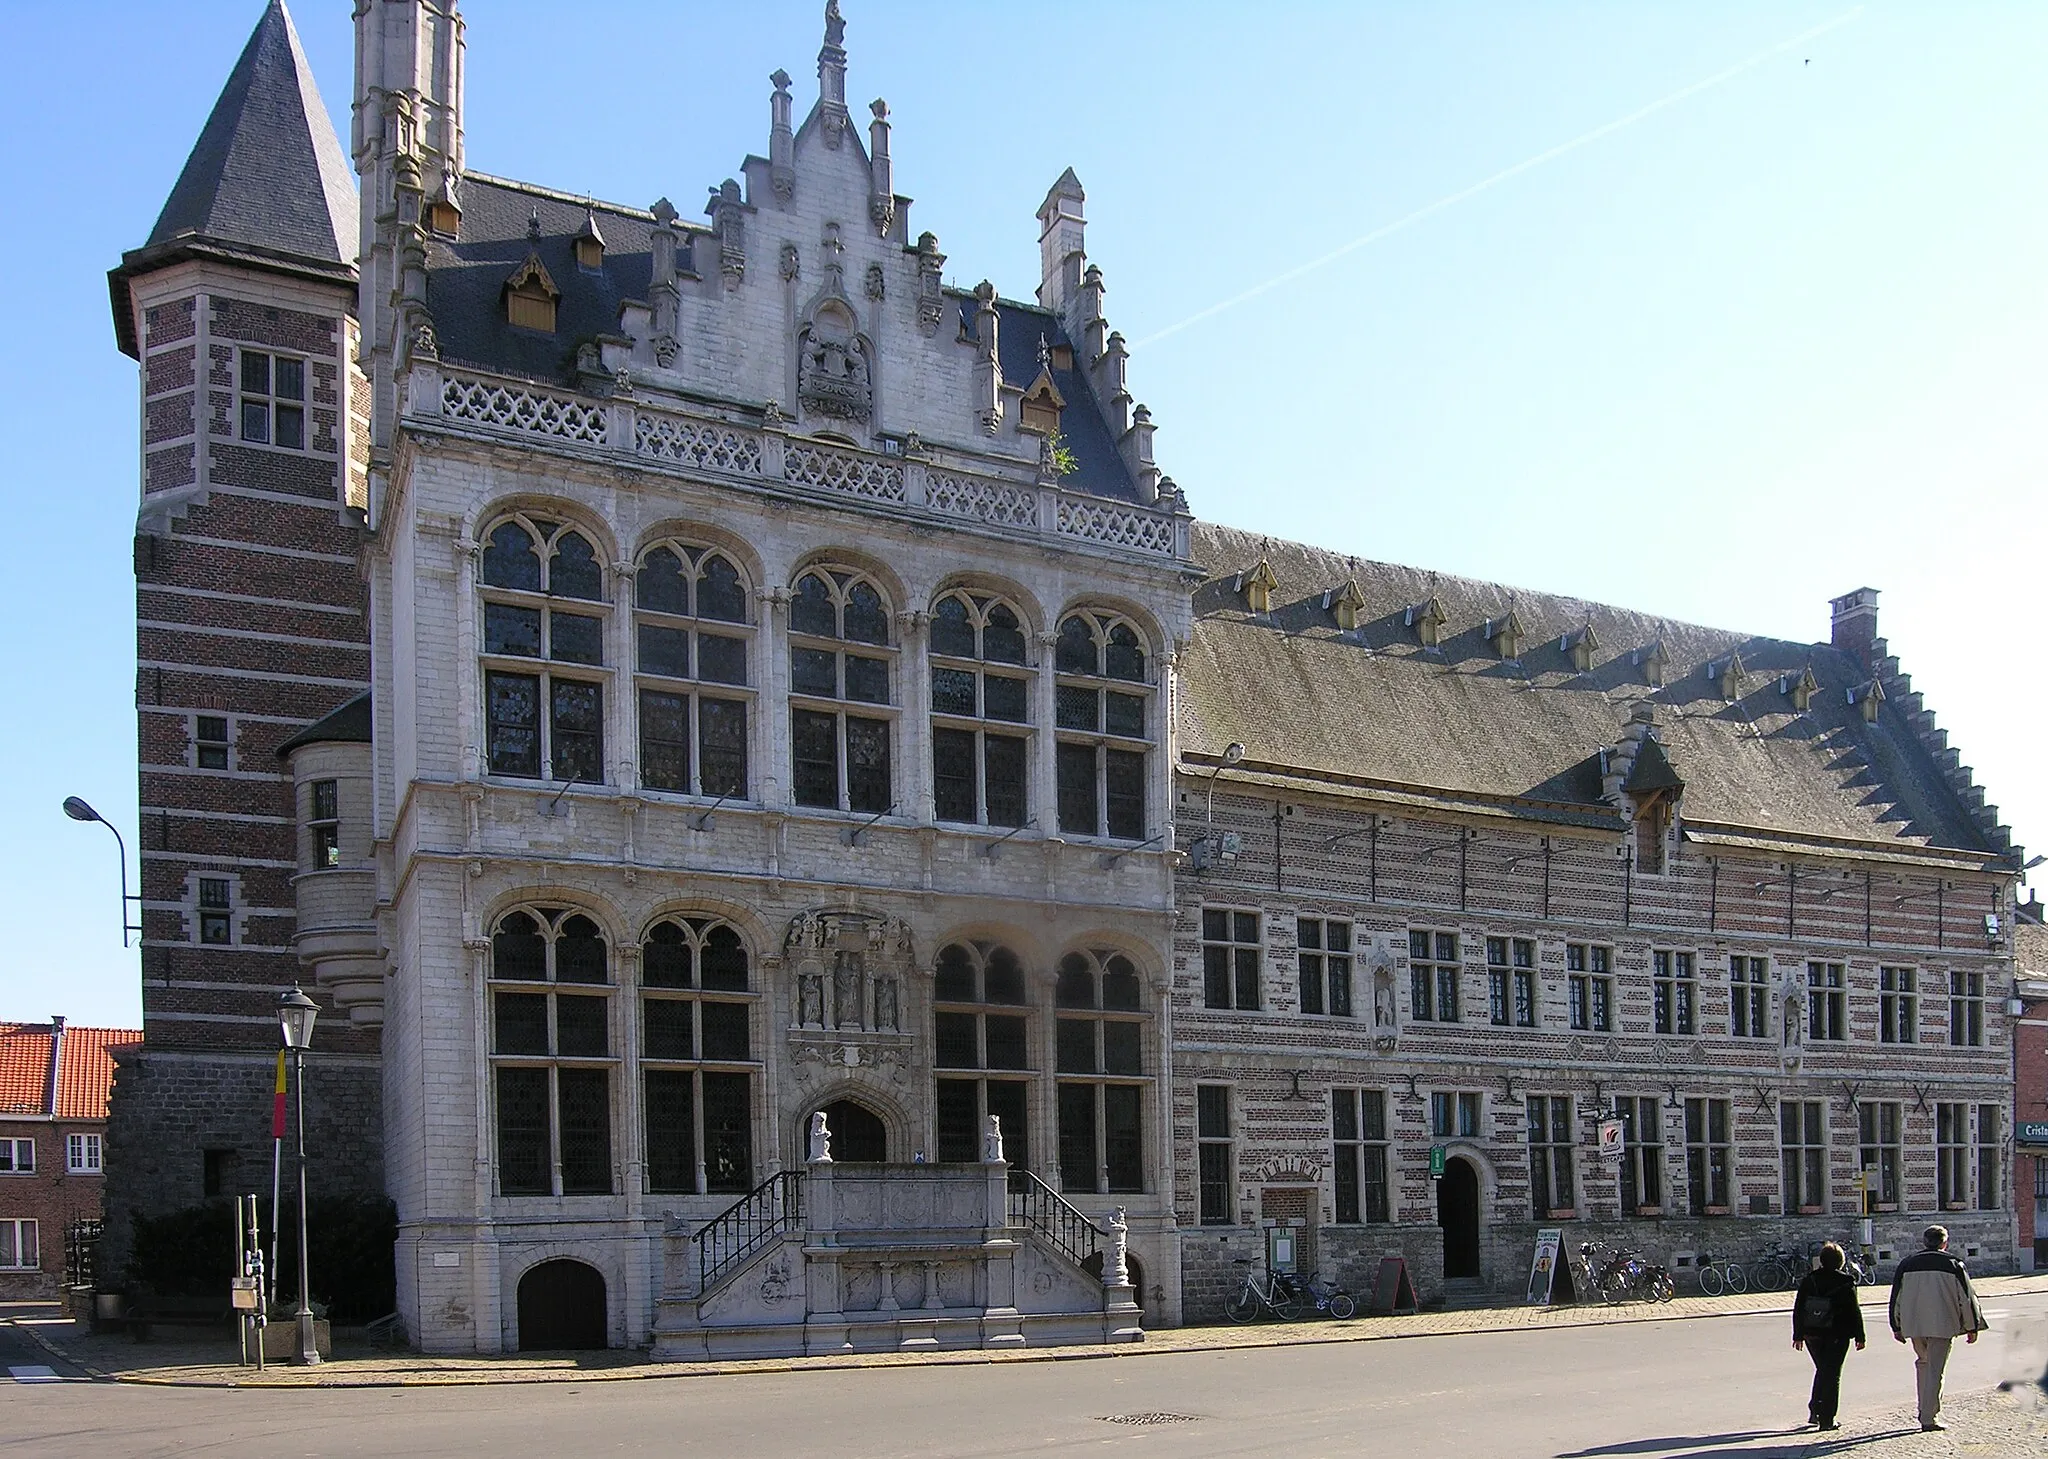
pixel 2031 1132
pixel 1610 1139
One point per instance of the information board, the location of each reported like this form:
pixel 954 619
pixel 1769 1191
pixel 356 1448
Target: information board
pixel 1543 1268
pixel 1393 1292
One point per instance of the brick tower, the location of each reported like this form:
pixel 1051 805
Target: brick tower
pixel 250 627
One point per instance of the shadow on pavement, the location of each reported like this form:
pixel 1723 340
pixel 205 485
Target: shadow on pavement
pixel 1801 1443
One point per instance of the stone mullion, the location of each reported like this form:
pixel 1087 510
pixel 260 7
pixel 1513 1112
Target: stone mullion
pixel 914 771
pixel 622 755
pixel 632 1133
pixel 771 778
pixel 469 721
pixel 1045 787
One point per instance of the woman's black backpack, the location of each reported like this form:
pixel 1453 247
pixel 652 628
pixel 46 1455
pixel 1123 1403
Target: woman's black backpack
pixel 1817 1310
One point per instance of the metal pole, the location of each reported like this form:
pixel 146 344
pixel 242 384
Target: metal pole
pixel 309 1347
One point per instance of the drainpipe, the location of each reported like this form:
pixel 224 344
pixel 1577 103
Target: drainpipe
pixel 56 1062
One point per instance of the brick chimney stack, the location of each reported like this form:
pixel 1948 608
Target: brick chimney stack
pixel 1854 630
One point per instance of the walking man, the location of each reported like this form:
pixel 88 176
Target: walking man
pixel 1931 1304
pixel 1826 1318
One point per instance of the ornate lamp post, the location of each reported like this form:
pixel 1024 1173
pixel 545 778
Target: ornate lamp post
pixel 295 1015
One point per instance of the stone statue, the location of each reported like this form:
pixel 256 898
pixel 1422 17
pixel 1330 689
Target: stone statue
pixel 810 998
pixel 885 1004
pixel 1382 998
pixel 1116 1266
pixel 846 980
pixel 992 1141
pixel 821 1140
pixel 1795 1022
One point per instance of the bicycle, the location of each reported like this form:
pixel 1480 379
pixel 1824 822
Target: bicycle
pixel 1328 1298
pixel 1254 1296
pixel 1721 1275
pixel 1776 1268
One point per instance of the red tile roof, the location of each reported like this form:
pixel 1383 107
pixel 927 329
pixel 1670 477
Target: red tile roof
pixel 86 1077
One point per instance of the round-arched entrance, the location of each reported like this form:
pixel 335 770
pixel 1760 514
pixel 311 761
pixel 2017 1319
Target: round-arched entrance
pixel 858 1134
pixel 562 1307
pixel 1457 1212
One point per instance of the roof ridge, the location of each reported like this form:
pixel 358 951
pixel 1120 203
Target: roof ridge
pixel 576 200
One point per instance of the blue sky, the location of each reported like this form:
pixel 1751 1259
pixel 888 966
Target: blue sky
pixel 1779 337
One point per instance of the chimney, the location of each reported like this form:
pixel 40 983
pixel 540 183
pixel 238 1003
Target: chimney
pixel 1854 630
pixel 56 1063
pixel 1062 246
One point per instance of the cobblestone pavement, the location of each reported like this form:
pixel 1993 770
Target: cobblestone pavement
pixel 209 1361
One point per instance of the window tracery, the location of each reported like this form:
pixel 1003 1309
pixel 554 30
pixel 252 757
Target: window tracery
pixel 693 645
pixel 1103 711
pixel 551 1052
pixel 979 773
pixel 697 1059
pixel 840 755
pixel 544 662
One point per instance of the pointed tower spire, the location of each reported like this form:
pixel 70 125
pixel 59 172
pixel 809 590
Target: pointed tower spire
pixel 832 75
pixel 1062 245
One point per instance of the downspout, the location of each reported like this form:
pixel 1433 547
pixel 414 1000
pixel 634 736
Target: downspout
pixel 56 1064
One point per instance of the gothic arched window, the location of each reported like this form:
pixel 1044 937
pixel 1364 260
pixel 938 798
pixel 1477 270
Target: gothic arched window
pixel 1104 716
pixel 543 642
pixel 981 1049
pixel 551 1053
pixel 698 1067
pixel 840 717
pixel 981 744
pixel 692 649
pixel 1099 1065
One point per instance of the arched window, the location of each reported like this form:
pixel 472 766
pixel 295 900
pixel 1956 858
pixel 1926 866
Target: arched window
pixel 980 746
pixel 840 755
pixel 980 1027
pixel 551 1053
pixel 543 642
pixel 1104 711
pixel 698 1069
pixel 1099 1064
pixel 692 647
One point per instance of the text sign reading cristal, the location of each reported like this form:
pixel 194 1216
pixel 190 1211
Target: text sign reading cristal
pixel 2031 1132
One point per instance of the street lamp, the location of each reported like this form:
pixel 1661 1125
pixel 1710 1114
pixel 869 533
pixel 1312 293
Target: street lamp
pixel 78 810
pixel 295 1015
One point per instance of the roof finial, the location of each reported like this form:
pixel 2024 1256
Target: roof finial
pixel 832 76
pixel 835 24
pixel 533 223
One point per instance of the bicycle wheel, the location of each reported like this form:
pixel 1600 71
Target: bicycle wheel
pixel 1662 1288
pixel 1710 1281
pixel 1737 1281
pixel 1341 1307
pixel 1241 1305
pixel 1283 1303
pixel 1770 1275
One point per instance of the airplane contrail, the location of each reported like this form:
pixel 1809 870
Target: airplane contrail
pixel 1549 155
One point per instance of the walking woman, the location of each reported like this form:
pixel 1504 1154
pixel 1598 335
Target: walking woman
pixel 1826 1318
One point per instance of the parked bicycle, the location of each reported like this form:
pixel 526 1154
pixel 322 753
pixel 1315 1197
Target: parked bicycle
pixel 1624 1275
pixel 1855 1265
pixel 1328 1298
pixel 1776 1268
pixel 1259 1292
pixel 1720 1274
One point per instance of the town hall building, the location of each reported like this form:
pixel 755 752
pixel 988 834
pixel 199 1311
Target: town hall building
pixel 802 841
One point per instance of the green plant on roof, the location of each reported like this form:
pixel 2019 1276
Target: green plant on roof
pixel 1061 455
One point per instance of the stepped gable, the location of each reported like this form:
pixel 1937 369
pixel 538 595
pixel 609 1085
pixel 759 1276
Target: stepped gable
pixel 267 183
pixel 1459 722
pixel 466 276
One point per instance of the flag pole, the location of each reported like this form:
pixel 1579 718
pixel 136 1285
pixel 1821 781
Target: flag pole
pixel 276 1169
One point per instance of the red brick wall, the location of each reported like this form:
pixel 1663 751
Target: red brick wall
pixel 51 1197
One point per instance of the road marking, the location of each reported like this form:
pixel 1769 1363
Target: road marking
pixel 34 1373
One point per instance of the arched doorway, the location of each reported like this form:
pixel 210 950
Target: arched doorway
pixel 857 1132
pixel 562 1307
pixel 1457 1212
pixel 1093 1266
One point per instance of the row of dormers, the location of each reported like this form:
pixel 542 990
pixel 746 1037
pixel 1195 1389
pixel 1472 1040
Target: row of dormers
pixel 1510 639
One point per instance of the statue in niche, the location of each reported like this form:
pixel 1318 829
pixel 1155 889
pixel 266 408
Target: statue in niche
pixel 1383 998
pixel 992 1140
pixel 846 980
pixel 832 366
pixel 821 1140
pixel 885 1004
pixel 1795 1022
pixel 810 996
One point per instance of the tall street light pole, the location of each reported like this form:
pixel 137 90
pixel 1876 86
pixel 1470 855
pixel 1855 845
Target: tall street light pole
pixel 295 1015
pixel 78 810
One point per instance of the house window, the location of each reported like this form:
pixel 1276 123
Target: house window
pixel 693 644
pixel 18 1247
pixel 211 742
pixel 1674 992
pixel 273 400
pixel 1653 824
pixel 543 641
pixel 697 1061
pixel 17 1157
pixel 1454 1115
pixel 82 1154
pixel 1952 1156
pixel 1803 1153
pixel 1551 1190
pixel 1589 981
pixel 1212 1154
pixel 1103 714
pixel 1511 985
pixel 1323 961
pixel 981 711
pixel 552 1053
pixel 1898 1005
pixel 1432 976
pixel 1966 1010
pixel 323 824
pixel 1826 1017
pixel 217 1171
pixel 980 1024
pixel 216 911
pixel 1879 1153
pixel 1358 1138
pixel 1099 1032
pixel 1642 1154
pixel 840 755
pixel 1749 997
pixel 1230 959
pixel 1709 1156
pixel 1990 1157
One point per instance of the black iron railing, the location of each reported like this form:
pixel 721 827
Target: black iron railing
pixel 81 1252
pixel 760 1216
pixel 1037 1205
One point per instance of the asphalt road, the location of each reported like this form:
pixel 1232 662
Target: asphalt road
pixel 1701 1389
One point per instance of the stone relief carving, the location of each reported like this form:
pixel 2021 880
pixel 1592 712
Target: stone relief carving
pixel 849 970
pixel 876 284
pixel 832 370
pixel 790 264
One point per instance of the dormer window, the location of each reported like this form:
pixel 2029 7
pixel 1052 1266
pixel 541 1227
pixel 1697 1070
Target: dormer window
pixel 1505 634
pixel 531 296
pixel 1798 688
pixel 1427 619
pixel 1866 697
pixel 1727 675
pixel 589 244
pixel 1653 821
pixel 444 218
pixel 1343 602
pixel 1652 660
pixel 1039 411
pixel 1257 583
pixel 1579 647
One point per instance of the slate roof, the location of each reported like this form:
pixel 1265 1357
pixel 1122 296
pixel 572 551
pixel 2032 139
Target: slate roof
pixel 267 182
pixel 1099 470
pixel 1373 706
pixel 85 1079
pixel 349 724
